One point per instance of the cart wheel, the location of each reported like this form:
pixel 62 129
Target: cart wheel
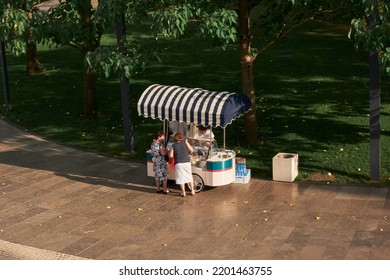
pixel 198 182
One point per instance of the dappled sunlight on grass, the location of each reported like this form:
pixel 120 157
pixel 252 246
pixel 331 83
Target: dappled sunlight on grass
pixel 310 79
pixel 311 90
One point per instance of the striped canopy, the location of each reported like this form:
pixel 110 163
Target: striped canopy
pixel 192 105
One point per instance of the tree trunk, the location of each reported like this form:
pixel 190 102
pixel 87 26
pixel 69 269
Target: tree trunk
pixel 89 81
pixel 89 91
pixel 32 63
pixel 251 129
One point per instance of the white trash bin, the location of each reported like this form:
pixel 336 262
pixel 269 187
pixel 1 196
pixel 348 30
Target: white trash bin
pixel 285 167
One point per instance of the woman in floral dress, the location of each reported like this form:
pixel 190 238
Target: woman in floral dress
pixel 159 163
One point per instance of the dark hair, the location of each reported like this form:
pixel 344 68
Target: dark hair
pixel 159 134
pixel 178 137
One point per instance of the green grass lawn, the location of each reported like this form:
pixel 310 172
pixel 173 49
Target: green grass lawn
pixel 312 99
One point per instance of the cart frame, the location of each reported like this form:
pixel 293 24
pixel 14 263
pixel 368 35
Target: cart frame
pixel 194 107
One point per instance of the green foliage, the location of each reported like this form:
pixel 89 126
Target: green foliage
pixel 271 20
pixel 107 61
pixel 371 32
pixel 136 11
pixel 220 25
pixel 198 18
pixel 15 24
pixel 64 26
pixel 13 27
pixel 172 20
pixel 217 20
pixel 21 21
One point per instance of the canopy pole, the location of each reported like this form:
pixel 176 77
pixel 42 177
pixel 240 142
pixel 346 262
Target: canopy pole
pixel 224 137
pixel 166 132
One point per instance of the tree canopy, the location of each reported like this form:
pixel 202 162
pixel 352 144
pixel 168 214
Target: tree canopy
pixel 255 24
pixel 76 23
pixel 371 31
pixel 20 21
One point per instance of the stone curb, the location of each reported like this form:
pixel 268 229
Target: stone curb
pixel 12 251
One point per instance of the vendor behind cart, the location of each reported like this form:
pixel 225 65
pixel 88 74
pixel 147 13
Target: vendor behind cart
pixel 205 135
pixel 176 127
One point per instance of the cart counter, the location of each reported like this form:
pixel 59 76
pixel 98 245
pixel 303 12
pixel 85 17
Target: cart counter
pixel 218 170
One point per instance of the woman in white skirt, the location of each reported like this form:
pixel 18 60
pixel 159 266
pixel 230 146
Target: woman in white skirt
pixel 180 152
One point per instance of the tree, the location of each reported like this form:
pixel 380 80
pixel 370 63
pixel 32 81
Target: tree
pixel 77 24
pixel 255 24
pixel 261 24
pixel 20 30
pixel 374 36
pixel 70 24
pixel 371 33
pixel 215 20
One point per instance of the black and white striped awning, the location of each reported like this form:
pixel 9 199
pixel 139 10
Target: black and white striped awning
pixel 192 105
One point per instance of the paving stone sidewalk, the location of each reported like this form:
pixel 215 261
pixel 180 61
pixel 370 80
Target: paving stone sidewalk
pixel 57 202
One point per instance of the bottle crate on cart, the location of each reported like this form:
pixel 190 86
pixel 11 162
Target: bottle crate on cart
pixel 243 179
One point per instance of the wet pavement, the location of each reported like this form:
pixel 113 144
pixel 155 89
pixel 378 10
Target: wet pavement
pixel 57 202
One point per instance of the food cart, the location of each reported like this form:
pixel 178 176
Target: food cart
pixel 189 108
